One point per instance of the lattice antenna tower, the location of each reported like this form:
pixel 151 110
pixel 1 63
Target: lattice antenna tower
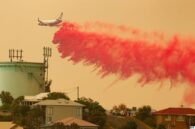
pixel 47 52
pixel 15 54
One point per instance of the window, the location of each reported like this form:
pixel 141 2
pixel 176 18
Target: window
pixel 167 118
pixel 78 112
pixel 49 119
pixel 180 118
pixel 49 111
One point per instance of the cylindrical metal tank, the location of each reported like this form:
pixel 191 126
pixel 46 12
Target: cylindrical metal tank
pixel 22 78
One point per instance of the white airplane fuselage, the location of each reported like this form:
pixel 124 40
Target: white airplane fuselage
pixel 49 22
pixel 55 22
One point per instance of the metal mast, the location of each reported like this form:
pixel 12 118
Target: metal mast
pixel 47 52
pixel 15 53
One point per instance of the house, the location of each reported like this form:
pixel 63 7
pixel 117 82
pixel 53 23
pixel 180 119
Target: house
pixel 30 100
pixel 70 120
pixel 176 118
pixel 133 113
pixel 59 109
pixel 127 112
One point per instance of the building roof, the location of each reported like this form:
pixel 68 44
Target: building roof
pixel 9 125
pixel 79 122
pixel 36 97
pixel 176 111
pixel 20 62
pixel 58 102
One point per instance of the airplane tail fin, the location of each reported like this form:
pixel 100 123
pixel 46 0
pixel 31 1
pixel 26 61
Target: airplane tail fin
pixel 60 17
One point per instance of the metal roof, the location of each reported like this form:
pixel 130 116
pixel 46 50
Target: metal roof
pixel 79 122
pixel 70 120
pixel 39 96
pixel 58 102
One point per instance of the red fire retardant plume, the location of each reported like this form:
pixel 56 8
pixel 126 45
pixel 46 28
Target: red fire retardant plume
pixel 150 55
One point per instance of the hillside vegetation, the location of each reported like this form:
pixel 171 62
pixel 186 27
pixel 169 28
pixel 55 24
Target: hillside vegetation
pixel 116 122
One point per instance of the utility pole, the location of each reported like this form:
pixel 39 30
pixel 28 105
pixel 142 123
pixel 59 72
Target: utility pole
pixel 77 92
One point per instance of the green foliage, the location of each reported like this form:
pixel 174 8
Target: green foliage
pixel 93 111
pixel 5 118
pixel 16 102
pixel 130 125
pixel 161 126
pixel 57 95
pixel 6 99
pixel 28 118
pixel 58 125
pixel 62 126
pixel 150 121
pixel 19 114
pixel 34 118
pixel 120 110
pixel 25 116
pixel 73 126
pixel 19 111
pixel 5 107
pixel 144 114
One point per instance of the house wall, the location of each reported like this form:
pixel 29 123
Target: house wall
pixel 55 113
pixel 173 123
pixel 159 119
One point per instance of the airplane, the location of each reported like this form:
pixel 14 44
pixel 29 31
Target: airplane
pixel 50 22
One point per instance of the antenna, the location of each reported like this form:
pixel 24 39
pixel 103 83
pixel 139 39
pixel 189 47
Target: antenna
pixel 47 53
pixel 15 53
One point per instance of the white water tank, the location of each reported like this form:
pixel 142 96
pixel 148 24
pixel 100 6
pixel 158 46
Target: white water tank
pixel 22 78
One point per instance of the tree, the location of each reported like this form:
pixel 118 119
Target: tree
pixel 134 108
pixel 34 118
pixel 150 121
pixel 60 125
pixel 73 126
pixel 130 125
pixel 161 126
pixel 25 116
pixel 6 99
pixel 93 111
pixel 119 110
pixel 115 110
pixel 57 95
pixel 145 114
pixel 16 102
pixel 20 113
pixel 122 107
